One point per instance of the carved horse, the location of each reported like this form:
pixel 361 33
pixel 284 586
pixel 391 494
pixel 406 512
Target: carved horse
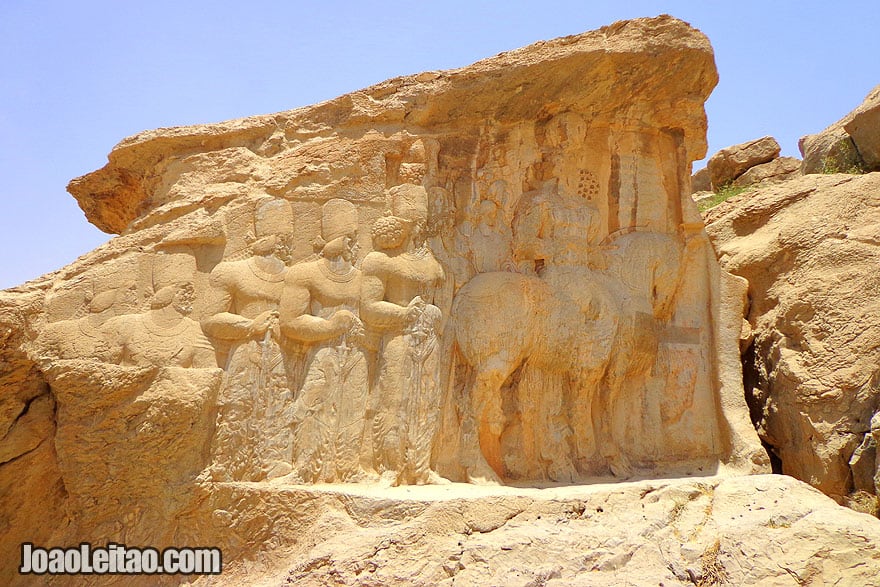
pixel 572 319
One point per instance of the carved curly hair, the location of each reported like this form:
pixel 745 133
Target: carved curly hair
pixel 387 232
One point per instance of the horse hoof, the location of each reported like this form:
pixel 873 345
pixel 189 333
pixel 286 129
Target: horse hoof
pixel 562 474
pixel 432 478
pixel 484 475
pixel 621 469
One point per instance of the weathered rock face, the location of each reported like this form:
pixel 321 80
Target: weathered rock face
pixel 809 249
pixel 728 164
pixel 849 144
pixel 864 128
pixel 778 169
pixel 487 275
pixel 700 181
pixel 757 530
pixel 744 165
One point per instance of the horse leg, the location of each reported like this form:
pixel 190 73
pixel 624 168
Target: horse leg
pixel 610 421
pixel 585 420
pixel 486 400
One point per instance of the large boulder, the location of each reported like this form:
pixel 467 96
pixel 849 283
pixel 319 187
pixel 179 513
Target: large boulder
pixel 700 181
pixel 864 128
pixel 848 145
pixel 729 163
pixel 810 249
pixel 778 169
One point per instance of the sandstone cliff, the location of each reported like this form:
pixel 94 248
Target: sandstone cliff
pixel 531 270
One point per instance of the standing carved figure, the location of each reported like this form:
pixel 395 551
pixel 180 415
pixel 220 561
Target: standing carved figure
pixel 397 281
pixel 319 306
pixel 250 444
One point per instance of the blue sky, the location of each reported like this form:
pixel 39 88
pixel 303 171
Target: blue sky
pixel 78 77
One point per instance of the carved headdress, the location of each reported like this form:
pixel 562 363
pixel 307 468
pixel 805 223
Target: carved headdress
pixel 409 202
pixel 273 217
pixel 338 218
pixel 172 269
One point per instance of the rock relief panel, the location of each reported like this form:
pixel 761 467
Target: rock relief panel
pixel 524 302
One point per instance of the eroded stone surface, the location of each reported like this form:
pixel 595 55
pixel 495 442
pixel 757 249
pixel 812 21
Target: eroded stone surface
pixel 809 249
pixel 839 148
pixel 700 181
pixel 778 169
pixel 758 530
pixel 864 128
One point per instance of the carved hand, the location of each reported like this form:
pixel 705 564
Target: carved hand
pixel 414 309
pixel 345 321
pixel 262 323
pixel 356 333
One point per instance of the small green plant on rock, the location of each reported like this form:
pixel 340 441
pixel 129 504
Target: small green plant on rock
pixel 844 159
pixel 723 193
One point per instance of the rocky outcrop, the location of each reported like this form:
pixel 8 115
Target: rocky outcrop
pixel 864 129
pixel 154 172
pixel 729 163
pixel 31 483
pixel 486 276
pixel 758 530
pixel 744 165
pixel 778 169
pixel 810 248
pixel 700 181
pixel 848 145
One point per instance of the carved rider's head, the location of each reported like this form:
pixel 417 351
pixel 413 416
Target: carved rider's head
pixel 180 295
pixel 102 301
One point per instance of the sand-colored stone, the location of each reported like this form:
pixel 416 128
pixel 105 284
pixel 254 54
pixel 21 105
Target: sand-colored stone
pixel 850 144
pixel 757 530
pixel 864 128
pixel 492 275
pixel 729 163
pixel 809 249
pixel 778 169
pixel 700 181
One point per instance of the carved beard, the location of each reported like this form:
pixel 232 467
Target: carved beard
pixel 419 234
pixel 183 301
pixel 283 251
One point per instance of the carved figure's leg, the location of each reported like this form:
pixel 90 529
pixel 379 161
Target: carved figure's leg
pixel 388 406
pixel 585 417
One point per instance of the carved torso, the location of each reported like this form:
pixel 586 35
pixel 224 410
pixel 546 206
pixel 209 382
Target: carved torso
pixel 253 290
pixel 407 274
pixel 330 290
